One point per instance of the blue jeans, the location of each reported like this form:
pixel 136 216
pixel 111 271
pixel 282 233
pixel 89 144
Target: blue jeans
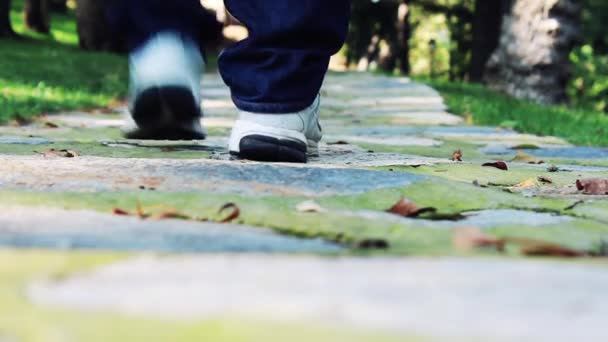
pixel 279 68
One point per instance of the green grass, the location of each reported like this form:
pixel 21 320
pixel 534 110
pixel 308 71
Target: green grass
pixel 485 107
pixel 40 74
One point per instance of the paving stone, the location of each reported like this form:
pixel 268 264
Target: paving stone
pixel 86 120
pixel 439 298
pixel 385 140
pixel 354 156
pixel 484 219
pixel 24 141
pixel 61 229
pixel 112 174
pixel 570 152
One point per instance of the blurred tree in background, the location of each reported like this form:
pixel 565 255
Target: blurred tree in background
pixel 589 86
pixel 456 40
pixel 36 15
pixel 6 28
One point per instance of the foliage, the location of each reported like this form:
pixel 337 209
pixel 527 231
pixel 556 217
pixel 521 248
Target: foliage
pixel 589 86
pixel 48 73
pixel 485 107
pixel 595 17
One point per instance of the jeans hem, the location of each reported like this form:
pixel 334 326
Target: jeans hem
pixel 271 108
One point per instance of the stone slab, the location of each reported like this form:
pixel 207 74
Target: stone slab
pixel 98 174
pixel 40 227
pixel 439 298
pixel 569 152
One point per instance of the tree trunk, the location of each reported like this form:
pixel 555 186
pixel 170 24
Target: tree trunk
pixel 36 15
pixel 59 6
pixel 94 31
pixel 404 32
pixel 531 61
pixel 486 34
pixel 5 19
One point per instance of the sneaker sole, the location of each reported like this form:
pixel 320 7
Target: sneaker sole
pixel 163 113
pixel 270 149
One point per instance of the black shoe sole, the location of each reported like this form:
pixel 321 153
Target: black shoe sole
pixel 269 149
pixel 159 111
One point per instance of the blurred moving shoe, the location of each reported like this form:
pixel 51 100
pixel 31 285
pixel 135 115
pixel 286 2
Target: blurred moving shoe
pixel 165 89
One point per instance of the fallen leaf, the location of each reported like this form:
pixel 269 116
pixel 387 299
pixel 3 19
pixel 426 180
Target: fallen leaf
pixel 310 207
pixel 121 212
pixel 53 153
pixel 467 239
pixel 49 124
pixel 593 186
pixel 169 215
pixel 234 214
pixel 457 156
pixel 522 157
pixel 530 247
pixel 407 208
pixel 545 180
pixel 140 211
pixel 69 153
pixel 499 165
pixel 528 183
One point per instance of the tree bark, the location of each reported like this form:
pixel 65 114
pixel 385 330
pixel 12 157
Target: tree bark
pixel 59 6
pixel 487 22
pixel 5 19
pixel 94 32
pixel 36 15
pixel 532 59
pixel 404 33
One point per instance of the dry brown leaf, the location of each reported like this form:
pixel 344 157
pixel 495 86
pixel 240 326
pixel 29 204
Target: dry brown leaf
pixel 169 215
pixel 310 207
pixel 593 186
pixel 69 153
pixel 530 247
pixel 545 180
pixel 121 212
pixel 457 156
pixel 405 207
pixel 467 239
pixel 234 214
pixel 499 165
pixel 49 124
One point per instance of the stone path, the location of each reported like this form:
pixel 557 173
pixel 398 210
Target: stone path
pixel 385 138
pixel 451 299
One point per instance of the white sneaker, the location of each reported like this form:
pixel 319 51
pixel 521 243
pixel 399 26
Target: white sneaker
pixel 277 137
pixel 165 89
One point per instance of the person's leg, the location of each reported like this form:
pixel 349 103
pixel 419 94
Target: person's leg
pixel 164 42
pixel 276 73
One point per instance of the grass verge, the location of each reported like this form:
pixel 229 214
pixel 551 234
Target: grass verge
pixel 486 107
pixel 40 74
